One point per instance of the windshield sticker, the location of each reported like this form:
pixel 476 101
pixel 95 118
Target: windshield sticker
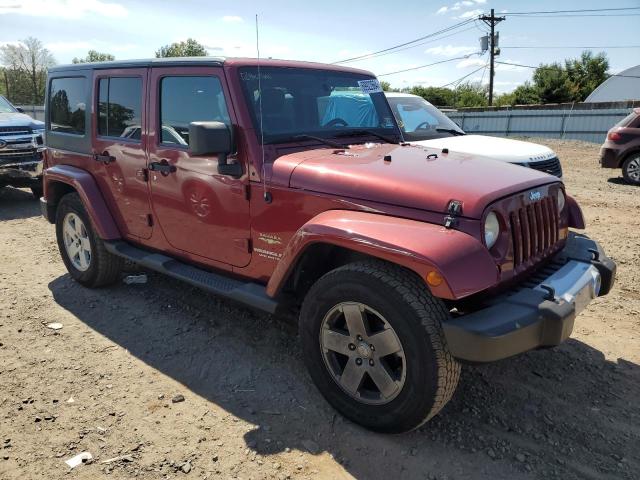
pixel 370 86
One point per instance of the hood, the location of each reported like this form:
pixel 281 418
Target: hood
pixel 497 148
pixel 410 179
pixel 17 119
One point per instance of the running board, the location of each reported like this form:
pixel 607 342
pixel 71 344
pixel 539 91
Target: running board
pixel 249 293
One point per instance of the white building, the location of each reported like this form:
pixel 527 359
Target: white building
pixel 624 86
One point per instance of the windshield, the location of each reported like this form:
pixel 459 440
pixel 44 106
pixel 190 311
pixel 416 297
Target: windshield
pixel 301 101
pixel 5 106
pixel 420 120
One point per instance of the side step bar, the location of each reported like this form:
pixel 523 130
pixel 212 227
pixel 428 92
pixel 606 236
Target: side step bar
pixel 249 293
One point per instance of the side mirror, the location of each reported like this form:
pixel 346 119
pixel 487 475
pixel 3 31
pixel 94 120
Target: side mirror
pixel 210 138
pixel 20 109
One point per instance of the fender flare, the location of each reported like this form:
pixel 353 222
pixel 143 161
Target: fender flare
pixel 576 218
pixel 464 263
pixel 83 183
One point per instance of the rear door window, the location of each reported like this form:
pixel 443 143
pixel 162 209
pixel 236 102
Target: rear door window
pixel 67 105
pixel 120 107
pixel 186 99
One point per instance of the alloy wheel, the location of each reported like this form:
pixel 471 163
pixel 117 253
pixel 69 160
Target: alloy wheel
pixel 76 241
pixel 363 353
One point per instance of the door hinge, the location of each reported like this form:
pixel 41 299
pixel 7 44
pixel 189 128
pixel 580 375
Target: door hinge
pixel 143 174
pixel 247 192
pixel 149 219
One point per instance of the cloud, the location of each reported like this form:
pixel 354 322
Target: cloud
pixel 71 9
pixel 101 46
pixel 471 62
pixel 459 5
pixel 232 19
pixel 450 50
pixel 66 46
pixel 470 14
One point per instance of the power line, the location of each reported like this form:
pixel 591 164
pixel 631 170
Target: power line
pixel 582 10
pixel 462 78
pixel 419 44
pixel 573 46
pixel 428 65
pixel 556 68
pixel 582 15
pixel 444 30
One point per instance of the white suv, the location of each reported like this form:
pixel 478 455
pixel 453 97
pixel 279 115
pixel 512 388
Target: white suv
pixel 424 124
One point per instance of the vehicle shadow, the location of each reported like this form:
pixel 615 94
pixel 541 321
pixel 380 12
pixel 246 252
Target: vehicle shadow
pixel 618 181
pixel 566 412
pixel 16 203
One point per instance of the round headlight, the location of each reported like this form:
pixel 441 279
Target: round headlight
pixel 491 229
pixel 561 200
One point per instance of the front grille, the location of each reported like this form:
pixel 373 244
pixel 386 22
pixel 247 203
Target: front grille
pixel 551 166
pixel 534 229
pixel 18 156
pixel 15 130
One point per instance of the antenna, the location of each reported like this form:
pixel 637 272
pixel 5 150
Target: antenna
pixel 266 195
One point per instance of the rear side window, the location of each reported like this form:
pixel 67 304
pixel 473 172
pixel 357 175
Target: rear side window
pixel 189 99
pixel 120 107
pixel 67 105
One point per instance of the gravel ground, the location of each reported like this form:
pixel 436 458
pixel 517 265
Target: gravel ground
pixel 164 381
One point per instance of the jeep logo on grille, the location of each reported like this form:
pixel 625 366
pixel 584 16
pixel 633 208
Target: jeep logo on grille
pixel 535 196
pixel 3 143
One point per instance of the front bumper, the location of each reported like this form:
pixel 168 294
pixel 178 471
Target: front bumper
pixel 21 174
pixel 541 315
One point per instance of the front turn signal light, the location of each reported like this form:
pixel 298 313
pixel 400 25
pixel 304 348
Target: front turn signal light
pixel 434 278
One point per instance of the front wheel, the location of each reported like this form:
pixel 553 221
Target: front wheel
pixel 82 250
pixel 373 343
pixel 631 169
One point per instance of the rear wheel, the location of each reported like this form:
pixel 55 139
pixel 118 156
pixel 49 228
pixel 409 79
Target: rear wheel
pixel 631 169
pixel 82 251
pixel 379 359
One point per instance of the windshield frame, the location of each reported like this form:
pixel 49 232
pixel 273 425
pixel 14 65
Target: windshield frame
pixel 3 102
pixel 429 134
pixel 378 100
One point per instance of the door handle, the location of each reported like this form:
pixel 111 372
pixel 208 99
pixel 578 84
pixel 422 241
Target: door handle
pixel 105 158
pixel 163 167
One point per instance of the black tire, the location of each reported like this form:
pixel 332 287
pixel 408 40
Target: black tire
pixel 104 267
pixel 416 317
pixel 37 191
pixel 631 162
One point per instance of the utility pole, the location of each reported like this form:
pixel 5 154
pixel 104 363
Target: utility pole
pixel 492 21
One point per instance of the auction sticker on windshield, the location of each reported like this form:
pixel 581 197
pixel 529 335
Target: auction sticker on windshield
pixel 370 86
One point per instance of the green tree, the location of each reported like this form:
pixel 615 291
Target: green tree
pixel 552 82
pixel 526 94
pixel 442 97
pixel 386 86
pixel 470 95
pixel 586 73
pixel 25 70
pixel 94 56
pixel 188 48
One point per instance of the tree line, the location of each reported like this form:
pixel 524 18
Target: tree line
pixel 24 65
pixel 570 81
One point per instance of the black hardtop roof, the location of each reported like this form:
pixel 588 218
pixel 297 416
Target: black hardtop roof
pixel 144 62
pixel 199 61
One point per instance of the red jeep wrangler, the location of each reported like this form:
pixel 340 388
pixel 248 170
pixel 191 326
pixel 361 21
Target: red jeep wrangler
pixel 287 185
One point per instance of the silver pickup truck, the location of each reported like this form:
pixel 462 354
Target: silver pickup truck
pixel 21 149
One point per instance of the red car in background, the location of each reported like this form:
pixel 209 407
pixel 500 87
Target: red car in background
pixel 621 149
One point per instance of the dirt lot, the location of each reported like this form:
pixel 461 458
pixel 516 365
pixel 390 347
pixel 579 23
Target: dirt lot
pixel 105 383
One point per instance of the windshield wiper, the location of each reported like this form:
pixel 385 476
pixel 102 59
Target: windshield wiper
pixel 320 139
pixel 358 133
pixel 452 131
